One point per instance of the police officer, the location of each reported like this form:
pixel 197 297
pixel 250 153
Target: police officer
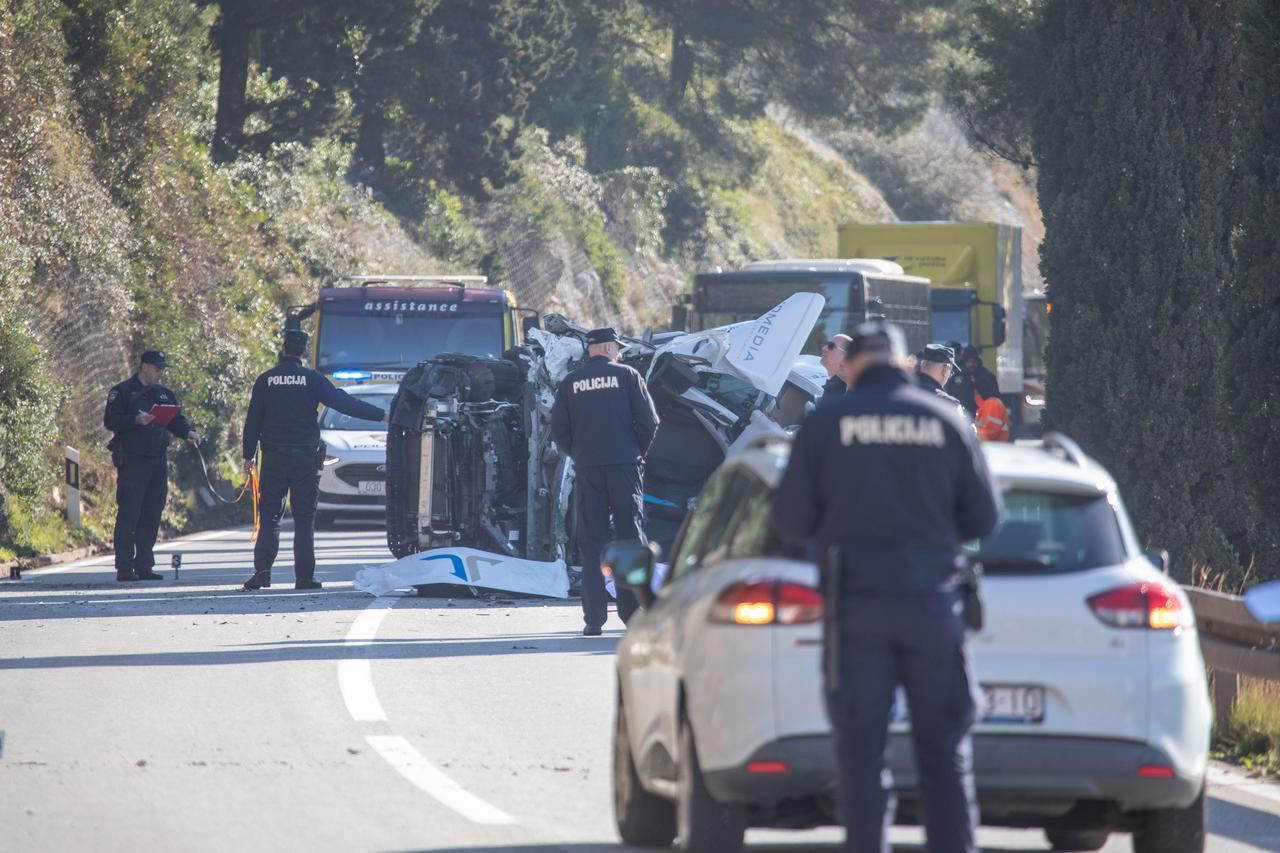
pixel 832 361
pixel 139 449
pixel 935 364
pixel 604 419
pixel 887 482
pixel 282 418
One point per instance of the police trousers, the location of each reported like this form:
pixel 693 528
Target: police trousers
pixel 142 484
pixel 606 491
pixel 292 471
pixel 916 642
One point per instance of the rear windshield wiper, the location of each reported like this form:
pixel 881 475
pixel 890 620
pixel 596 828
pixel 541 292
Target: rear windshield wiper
pixel 1012 561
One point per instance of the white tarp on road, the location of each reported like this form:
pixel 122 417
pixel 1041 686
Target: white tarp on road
pixel 466 567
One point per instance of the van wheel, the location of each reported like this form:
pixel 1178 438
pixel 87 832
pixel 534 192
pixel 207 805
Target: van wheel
pixel 1077 839
pixel 1173 830
pixel 643 819
pixel 705 826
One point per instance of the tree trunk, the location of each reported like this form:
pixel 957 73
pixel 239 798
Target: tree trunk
pixel 681 71
pixel 233 31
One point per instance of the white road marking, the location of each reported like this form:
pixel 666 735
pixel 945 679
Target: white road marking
pixel 355 680
pixel 1237 781
pixel 355 676
pixel 109 558
pixel 401 755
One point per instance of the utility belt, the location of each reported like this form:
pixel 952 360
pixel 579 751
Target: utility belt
pixel 319 450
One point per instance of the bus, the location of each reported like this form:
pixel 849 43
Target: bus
pixel 374 328
pixel 855 290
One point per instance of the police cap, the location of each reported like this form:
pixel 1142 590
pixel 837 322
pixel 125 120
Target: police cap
pixel 154 356
pixel 296 338
pixel 876 336
pixel 938 354
pixel 602 336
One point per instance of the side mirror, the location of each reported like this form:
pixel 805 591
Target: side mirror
pixel 671 375
pixel 529 321
pixel 632 563
pixel 1263 601
pixel 1159 558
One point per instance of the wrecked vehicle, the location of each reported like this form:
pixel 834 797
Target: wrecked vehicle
pixel 470 462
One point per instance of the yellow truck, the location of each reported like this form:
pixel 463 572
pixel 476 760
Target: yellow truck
pixel 975 270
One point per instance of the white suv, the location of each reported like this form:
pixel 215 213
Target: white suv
pixel 1097 711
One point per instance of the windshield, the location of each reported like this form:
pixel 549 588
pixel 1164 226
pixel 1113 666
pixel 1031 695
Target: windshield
pixel 1052 532
pixel 333 419
pixel 737 300
pixel 401 342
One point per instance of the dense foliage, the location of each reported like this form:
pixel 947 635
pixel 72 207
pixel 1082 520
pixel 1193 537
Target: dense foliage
pixel 1152 127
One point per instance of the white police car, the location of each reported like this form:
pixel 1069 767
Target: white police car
pixel 1097 712
pixel 353 481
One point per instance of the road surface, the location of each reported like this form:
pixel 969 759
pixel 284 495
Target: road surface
pixel 190 715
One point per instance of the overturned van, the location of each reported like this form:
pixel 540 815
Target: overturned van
pixel 471 464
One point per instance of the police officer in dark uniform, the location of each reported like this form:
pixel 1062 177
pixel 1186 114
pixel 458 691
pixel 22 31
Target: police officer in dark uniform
pixel 604 419
pixel 935 366
pixel 282 418
pixel 139 451
pixel 887 482
pixel 832 360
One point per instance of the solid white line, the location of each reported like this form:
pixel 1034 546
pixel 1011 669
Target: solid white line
pixel 1238 781
pixel 355 676
pixel 108 559
pixel 355 679
pixel 410 764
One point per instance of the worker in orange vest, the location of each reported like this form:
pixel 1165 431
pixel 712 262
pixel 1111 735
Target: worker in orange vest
pixel 992 420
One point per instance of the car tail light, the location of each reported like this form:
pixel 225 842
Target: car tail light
pixel 1140 605
pixel 767 767
pixel 767 603
pixel 1155 771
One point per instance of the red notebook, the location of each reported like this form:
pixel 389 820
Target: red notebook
pixel 164 414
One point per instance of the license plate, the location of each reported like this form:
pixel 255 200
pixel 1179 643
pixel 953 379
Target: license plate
pixel 1013 703
pixel 373 487
pixel 1003 704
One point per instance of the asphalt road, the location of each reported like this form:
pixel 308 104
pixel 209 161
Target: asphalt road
pixel 188 715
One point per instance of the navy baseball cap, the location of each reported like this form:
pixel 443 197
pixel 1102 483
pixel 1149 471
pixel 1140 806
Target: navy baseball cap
pixel 938 354
pixel 602 336
pixel 876 336
pixel 154 356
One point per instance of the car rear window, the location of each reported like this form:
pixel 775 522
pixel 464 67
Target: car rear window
pixel 1050 532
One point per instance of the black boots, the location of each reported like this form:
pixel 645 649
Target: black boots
pixel 260 580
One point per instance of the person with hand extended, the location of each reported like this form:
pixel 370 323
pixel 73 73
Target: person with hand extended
pixel 282 419
pixel 139 451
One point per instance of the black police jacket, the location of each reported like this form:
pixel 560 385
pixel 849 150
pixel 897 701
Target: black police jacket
pixel 891 476
pixel 930 385
pixel 282 410
pixel 125 402
pixel 833 389
pixel 603 415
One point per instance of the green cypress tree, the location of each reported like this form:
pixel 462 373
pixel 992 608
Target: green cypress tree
pixel 1135 135
pixel 1252 367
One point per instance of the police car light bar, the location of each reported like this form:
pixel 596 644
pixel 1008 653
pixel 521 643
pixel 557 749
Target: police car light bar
pixel 357 375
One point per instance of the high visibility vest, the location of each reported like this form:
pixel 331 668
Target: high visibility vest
pixel 992 419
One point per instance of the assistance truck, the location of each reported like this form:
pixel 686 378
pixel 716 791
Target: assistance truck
pixel 376 327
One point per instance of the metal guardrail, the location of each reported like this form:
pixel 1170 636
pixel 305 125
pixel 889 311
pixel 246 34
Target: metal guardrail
pixel 1234 644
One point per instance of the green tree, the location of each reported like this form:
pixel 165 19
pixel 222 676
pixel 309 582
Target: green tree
pixel 1252 374
pixel 1135 133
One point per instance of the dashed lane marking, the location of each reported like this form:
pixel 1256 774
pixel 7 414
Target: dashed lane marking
pixel 355 680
